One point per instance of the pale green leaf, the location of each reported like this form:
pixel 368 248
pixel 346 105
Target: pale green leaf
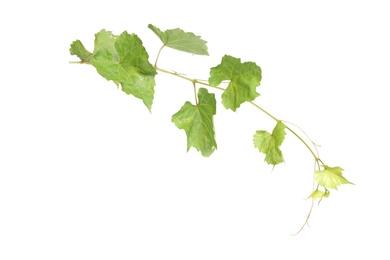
pixel 180 40
pixel 244 79
pixel 269 144
pixel 130 68
pixel 197 122
pixel 330 177
pixel 319 194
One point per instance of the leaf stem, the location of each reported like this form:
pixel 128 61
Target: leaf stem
pixel 158 55
pixel 196 98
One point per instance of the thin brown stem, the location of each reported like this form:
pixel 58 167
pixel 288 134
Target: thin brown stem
pixel 307 219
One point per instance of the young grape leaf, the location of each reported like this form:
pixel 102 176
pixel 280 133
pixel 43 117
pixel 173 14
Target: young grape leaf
pixel 127 64
pixel 330 177
pixel 244 78
pixel 77 48
pixel 319 194
pixel 269 143
pixel 197 122
pixel 180 40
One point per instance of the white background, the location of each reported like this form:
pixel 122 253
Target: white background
pixel 86 172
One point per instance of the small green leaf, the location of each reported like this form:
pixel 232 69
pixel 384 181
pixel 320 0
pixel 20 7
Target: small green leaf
pixel 330 177
pixel 78 49
pixel 269 143
pixel 319 194
pixel 128 64
pixel 197 122
pixel 180 40
pixel 244 78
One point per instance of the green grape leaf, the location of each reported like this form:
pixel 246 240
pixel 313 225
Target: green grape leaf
pixel 197 122
pixel 330 177
pixel 269 143
pixel 77 48
pixel 128 64
pixel 244 78
pixel 180 40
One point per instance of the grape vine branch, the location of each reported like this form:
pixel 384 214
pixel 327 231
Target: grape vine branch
pixel 124 60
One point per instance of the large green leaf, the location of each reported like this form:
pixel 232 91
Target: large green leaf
pixel 244 78
pixel 180 40
pixel 197 122
pixel 127 64
pixel 269 143
pixel 330 177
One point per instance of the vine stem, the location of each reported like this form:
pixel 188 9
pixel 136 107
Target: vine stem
pixel 264 111
pixel 196 81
